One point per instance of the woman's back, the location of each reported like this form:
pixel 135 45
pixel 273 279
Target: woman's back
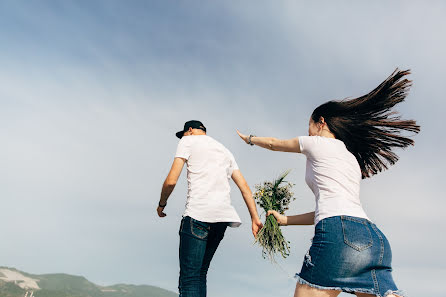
pixel 334 176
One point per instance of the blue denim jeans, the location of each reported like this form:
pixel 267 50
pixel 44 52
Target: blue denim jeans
pixel 198 243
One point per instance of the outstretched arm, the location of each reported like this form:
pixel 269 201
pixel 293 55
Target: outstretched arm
pixel 274 144
pixel 302 219
pixel 241 183
pixel 169 184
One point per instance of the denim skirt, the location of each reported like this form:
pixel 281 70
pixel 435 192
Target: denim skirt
pixel 349 254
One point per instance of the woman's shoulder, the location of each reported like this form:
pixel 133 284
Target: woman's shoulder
pixel 319 146
pixel 320 140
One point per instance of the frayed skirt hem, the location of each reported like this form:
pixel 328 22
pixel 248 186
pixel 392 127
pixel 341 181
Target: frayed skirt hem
pixel 302 281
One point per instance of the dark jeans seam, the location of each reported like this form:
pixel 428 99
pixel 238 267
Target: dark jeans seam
pixel 375 282
pixel 381 241
pixel 318 250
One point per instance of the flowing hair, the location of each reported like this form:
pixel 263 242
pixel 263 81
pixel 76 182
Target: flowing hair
pixel 368 127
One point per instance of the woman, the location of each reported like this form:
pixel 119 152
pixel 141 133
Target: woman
pixel 348 140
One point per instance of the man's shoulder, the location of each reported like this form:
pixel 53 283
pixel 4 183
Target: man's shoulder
pixel 218 143
pixel 203 140
pixel 191 139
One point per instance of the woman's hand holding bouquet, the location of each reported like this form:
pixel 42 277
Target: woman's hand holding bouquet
pixel 281 219
pixel 274 198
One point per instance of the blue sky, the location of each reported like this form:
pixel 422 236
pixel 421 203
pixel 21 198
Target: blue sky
pixel 92 93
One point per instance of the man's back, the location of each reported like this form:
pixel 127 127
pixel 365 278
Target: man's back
pixel 209 168
pixel 208 209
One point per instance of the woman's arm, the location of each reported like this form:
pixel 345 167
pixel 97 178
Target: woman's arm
pixel 274 144
pixel 302 219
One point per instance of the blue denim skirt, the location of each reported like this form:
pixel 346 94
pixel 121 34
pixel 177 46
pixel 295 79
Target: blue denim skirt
pixel 349 254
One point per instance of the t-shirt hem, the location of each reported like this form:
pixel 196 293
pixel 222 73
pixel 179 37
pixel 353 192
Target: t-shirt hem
pixel 234 223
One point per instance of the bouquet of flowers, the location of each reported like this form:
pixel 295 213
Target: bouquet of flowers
pixel 273 196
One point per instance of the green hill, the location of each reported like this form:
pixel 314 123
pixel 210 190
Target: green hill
pixel 15 283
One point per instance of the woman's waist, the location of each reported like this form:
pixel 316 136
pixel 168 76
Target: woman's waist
pixel 326 212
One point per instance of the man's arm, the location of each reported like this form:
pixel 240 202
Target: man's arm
pixel 241 183
pixel 169 184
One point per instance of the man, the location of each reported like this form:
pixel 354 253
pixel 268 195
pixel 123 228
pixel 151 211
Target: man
pixel 208 208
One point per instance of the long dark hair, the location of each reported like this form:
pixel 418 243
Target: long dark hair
pixel 368 127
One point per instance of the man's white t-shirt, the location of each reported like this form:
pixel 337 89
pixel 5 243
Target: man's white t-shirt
pixel 334 176
pixel 209 169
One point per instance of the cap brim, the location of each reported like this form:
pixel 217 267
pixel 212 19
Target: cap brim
pixel 179 134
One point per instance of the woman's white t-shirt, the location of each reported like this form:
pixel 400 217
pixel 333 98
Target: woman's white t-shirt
pixel 209 169
pixel 334 176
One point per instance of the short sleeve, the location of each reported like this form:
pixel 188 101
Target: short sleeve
pixel 183 149
pixel 233 164
pixel 306 144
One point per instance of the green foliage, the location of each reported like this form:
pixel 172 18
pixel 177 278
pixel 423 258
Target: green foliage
pixel 276 196
pixel 10 290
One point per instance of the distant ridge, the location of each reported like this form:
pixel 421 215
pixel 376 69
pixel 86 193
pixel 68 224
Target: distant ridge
pixel 16 283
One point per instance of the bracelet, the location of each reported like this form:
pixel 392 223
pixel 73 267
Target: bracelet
pixel 160 205
pixel 249 139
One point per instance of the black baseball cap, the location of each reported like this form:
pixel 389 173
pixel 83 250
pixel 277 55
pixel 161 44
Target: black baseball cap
pixel 193 125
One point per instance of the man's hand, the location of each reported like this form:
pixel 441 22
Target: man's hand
pixel 256 226
pixel 161 214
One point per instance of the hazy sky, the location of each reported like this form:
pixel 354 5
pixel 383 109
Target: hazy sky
pixel 92 93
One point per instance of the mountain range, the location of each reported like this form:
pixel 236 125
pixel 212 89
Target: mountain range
pixel 16 283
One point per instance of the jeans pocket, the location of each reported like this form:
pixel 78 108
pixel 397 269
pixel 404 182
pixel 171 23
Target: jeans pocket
pixel 357 233
pixel 199 229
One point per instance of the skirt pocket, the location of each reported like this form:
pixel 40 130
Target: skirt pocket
pixel 357 233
